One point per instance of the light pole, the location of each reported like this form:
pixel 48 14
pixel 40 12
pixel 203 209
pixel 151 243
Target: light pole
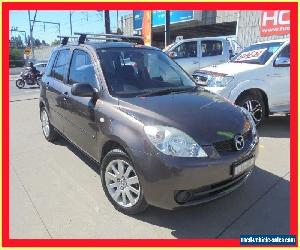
pixel 167 28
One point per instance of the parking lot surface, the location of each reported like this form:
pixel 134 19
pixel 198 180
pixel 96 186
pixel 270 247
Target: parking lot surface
pixel 55 190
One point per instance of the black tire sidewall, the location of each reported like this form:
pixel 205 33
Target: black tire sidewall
pixel 23 84
pixel 118 154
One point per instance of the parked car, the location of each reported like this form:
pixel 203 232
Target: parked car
pixel 258 78
pixel 195 53
pixel 41 66
pixel 158 138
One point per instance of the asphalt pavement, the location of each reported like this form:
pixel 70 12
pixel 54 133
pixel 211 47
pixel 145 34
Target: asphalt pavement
pixel 55 190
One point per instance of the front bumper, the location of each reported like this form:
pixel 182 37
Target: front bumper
pixel 163 177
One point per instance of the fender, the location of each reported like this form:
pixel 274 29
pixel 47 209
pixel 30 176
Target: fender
pixel 122 125
pixel 247 85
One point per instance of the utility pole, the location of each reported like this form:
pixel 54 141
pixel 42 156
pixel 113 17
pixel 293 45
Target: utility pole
pixel 117 19
pixel 31 31
pixel 167 28
pixel 107 21
pixel 71 32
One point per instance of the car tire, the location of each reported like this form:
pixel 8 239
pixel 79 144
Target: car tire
pixel 255 105
pixel 115 185
pixel 48 130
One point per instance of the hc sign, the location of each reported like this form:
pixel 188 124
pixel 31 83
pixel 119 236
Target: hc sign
pixel 275 22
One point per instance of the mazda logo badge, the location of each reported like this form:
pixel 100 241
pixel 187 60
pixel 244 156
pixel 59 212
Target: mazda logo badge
pixel 239 142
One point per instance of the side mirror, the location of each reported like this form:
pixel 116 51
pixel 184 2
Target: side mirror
pixel 282 62
pixel 172 54
pixel 83 90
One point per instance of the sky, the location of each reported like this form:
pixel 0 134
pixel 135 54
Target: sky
pixel 83 21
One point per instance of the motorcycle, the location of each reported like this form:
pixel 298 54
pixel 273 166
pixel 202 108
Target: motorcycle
pixel 26 77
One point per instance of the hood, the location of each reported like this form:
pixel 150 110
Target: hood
pixel 230 68
pixel 204 116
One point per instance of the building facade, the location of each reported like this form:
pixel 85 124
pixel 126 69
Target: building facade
pixel 244 26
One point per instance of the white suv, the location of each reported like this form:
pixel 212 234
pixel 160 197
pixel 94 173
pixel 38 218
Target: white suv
pixel 258 78
pixel 196 53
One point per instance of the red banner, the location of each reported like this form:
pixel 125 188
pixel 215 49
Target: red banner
pixel 275 22
pixel 146 27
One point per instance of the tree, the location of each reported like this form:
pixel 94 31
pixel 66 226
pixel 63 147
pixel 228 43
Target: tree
pixel 37 42
pixel 55 42
pixel 44 43
pixel 16 41
pixel 16 58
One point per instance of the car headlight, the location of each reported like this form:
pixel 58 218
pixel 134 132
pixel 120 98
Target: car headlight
pixel 251 120
pixel 172 141
pixel 218 81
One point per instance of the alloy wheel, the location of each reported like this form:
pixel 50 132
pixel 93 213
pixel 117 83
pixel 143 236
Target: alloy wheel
pixel 255 108
pixel 122 183
pixel 45 123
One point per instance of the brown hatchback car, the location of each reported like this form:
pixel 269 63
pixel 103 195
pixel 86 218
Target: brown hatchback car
pixel 159 138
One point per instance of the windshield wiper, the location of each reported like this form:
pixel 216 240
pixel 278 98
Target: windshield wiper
pixel 165 91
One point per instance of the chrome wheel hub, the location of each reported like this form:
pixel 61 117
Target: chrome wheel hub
pixel 255 108
pixel 45 123
pixel 122 183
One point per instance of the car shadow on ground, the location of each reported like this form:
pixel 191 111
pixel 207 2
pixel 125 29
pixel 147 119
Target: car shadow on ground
pixel 242 212
pixel 276 127
pixel 35 87
pixel 254 208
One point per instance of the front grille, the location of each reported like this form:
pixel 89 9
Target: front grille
pixel 228 145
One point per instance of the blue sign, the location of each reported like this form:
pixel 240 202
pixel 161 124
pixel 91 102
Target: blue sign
pixel 158 17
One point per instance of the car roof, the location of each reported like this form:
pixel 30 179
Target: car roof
pixel 201 38
pixel 101 45
pixel 274 41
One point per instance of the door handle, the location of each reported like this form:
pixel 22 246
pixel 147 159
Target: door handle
pixel 195 62
pixel 66 95
pixel 47 85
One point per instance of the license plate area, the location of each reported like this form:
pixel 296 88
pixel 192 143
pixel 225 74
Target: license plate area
pixel 243 166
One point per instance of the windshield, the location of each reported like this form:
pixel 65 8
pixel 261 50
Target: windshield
pixel 169 47
pixel 134 71
pixel 257 53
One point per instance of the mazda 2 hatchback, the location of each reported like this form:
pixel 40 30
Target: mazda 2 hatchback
pixel 158 138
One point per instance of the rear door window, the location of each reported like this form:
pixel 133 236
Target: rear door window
pixel 60 65
pixel 82 69
pixel 186 49
pixel 211 48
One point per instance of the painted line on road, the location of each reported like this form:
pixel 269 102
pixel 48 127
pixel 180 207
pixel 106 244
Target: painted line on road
pixel 28 99
pixel 30 91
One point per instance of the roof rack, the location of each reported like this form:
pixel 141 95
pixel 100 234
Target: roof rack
pixel 65 39
pixel 132 39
